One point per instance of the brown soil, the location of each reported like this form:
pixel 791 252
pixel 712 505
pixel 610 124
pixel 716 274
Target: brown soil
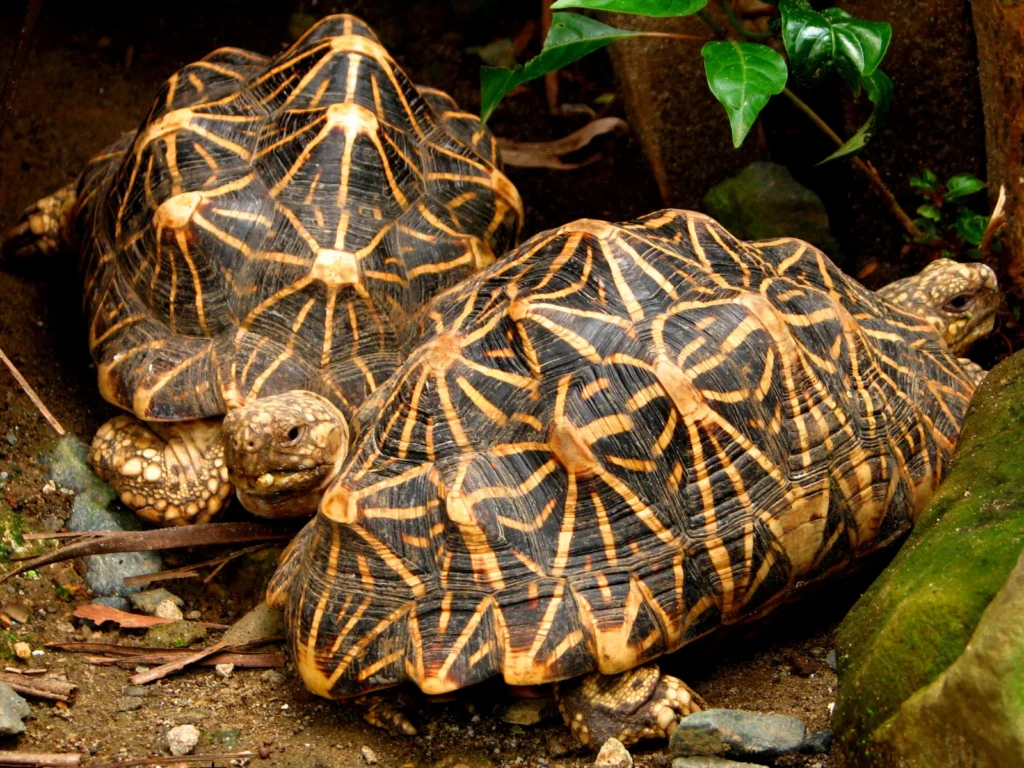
pixel 90 77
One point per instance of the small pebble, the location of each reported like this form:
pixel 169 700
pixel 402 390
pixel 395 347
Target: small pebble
pixel 369 756
pixel 12 439
pixel 830 659
pixel 182 739
pixel 272 677
pixel 613 755
pixel 224 670
pixel 168 610
pixel 22 650
pixel 557 747
pixel 194 615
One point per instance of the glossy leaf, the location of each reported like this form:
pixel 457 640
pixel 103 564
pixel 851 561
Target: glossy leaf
pixel 929 211
pixel 570 38
pixel 831 42
pixel 661 8
pixel 927 180
pixel 878 88
pixel 962 185
pixel 971 226
pixel 743 76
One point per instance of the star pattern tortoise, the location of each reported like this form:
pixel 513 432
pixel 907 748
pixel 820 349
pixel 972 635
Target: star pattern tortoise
pixel 609 443
pixel 275 224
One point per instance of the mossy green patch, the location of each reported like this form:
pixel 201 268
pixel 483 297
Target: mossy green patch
pixel 916 619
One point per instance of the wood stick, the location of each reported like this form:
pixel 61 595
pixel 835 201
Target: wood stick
pixel 16 671
pixel 211 759
pixel 158 673
pixel 135 650
pixel 32 395
pixel 40 760
pixel 51 690
pixel 246 660
pixel 190 571
pixel 104 542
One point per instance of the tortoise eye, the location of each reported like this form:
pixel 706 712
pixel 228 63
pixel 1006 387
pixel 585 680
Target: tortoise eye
pixel 959 303
pixel 293 434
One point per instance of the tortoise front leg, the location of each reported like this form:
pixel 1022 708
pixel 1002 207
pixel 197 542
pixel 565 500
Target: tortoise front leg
pixel 170 474
pixel 43 228
pixel 635 705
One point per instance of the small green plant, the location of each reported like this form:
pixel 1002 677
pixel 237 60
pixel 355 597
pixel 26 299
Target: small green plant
pixel 945 217
pixel 742 74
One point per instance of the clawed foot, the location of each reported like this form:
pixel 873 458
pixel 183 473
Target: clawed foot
pixel 635 705
pixel 382 712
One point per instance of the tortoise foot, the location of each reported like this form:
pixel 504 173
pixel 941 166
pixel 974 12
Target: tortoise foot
pixel 975 371
pixel 170 474
pixel 41 229
pixel 635 705
pixel 383 712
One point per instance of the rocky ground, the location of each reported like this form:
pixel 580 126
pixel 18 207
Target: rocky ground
pixel 89 78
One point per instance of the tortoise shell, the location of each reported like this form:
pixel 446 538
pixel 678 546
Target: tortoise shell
pixel 608 443
pixel 275 224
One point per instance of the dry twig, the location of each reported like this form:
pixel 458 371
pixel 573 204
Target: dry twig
pixel 548 154
pixel 995 221
pixel 32 395
pixel 50 690
pixel 103 542
pixel 192 571
pixel 211 759
pixel 40 759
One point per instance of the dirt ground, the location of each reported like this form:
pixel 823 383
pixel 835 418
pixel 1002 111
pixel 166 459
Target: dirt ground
pixel 92 72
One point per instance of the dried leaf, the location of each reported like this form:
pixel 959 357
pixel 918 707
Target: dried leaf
pixel 101 614
pixel 548 154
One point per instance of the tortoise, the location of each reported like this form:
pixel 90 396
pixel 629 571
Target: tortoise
pixel 614 440
pixel 273 225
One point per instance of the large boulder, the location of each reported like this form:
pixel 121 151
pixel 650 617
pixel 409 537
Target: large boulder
pixel 916 620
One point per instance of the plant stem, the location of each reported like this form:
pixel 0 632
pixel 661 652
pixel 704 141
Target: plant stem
pixel 864 167
pixel 672 36
pixel 738 25
pixel 710 23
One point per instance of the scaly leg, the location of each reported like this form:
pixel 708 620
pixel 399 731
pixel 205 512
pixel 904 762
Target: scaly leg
pixel 42 229
pixel 382 712
pixel 635 705
pixel 170 474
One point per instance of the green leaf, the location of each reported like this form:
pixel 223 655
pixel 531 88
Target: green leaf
pixel 922 182
pixel 832 41
pixel 962 185
pixel 929 211
pixel 878 87
pixel 660 8
pixel 570 38
pixel 970 226
pixel 743 76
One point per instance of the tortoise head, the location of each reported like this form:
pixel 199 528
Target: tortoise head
pixel 960 300
pixel 283 451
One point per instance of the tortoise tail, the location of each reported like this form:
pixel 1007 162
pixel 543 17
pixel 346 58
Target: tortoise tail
pixel 43 228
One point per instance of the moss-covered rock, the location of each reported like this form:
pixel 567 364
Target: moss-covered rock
pixel 918 617
pixel 973 714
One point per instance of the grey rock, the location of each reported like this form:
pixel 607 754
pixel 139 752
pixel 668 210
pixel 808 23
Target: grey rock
pixel 830 659
pixel 764 201
pixel 138 691
pixel 129 704
pixel 13 709
pixel 225 737
pixel 96 508
pixel 708 762
pixel 817 743
pixel 273 678
pixel 182 739
pixel 120 603
pixel 12 439
pixel 168 610
pixel 258 624
pixel 105 574
pixel 179 634
pixel 613 754
pixel 148 601
pixel 736 734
